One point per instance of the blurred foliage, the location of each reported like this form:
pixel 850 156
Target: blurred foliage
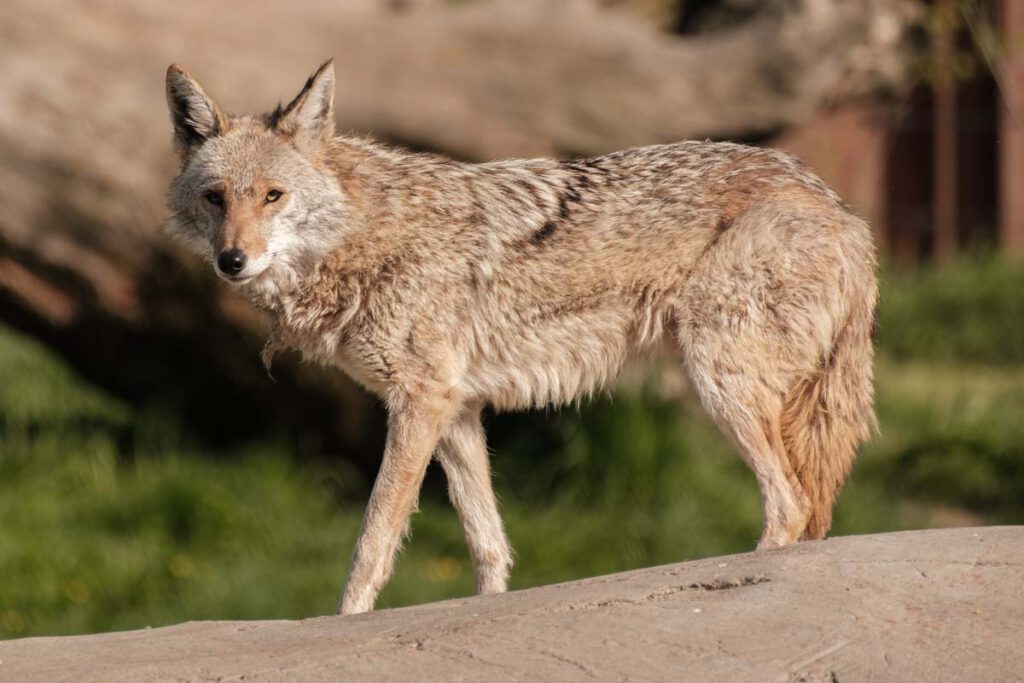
pixel 965 42
pixel 970 312
pixel 109 519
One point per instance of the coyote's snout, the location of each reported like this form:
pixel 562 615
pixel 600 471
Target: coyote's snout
pixel 445 287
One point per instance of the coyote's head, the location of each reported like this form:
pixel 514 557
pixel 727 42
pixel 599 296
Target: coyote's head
pixel 255 195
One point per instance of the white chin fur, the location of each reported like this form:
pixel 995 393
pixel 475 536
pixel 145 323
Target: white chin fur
pixel 237 280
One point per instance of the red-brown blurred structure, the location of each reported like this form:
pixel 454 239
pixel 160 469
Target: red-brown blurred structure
pixel 943 174
pixel 1012 132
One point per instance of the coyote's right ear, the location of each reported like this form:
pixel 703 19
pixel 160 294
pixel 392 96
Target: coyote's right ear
pixel 195 116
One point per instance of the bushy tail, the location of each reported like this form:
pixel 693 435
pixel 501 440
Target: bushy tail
pixel 831 413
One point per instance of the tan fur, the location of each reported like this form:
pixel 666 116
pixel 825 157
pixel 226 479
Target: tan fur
pixel 445 287
pixel 242 213
pixel 828 415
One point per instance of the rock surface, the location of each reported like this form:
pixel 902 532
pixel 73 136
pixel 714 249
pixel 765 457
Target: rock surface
pixel 922 605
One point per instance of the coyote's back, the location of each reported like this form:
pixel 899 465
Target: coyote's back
pixel 445 287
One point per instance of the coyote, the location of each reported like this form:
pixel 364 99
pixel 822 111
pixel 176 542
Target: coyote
pixel 445 287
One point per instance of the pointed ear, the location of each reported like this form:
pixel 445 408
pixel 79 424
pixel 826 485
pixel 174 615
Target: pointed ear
pixel 195 116
pixel 311 113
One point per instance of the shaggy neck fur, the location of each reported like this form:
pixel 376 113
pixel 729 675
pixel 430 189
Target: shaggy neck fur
pixel 310 304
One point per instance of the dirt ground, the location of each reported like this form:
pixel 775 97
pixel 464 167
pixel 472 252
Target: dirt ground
pixel 923 606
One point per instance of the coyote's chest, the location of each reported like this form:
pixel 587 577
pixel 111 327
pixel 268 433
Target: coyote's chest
pixel 332 324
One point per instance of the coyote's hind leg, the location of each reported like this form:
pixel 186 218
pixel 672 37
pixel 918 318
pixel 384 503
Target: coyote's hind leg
pixel 753 427
pixel 729 372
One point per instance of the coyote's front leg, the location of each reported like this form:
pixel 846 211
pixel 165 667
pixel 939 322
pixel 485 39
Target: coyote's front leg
pixel 463 454
pixel 414 427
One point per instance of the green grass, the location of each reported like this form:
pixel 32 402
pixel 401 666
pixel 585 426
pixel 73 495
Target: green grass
pixel 967 312
pixel 110 520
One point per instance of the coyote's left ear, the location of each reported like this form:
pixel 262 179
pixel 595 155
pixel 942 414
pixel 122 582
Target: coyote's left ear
pixel 311 113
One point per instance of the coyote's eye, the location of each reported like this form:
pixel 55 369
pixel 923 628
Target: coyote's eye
pixel 214 198
pixel 273 196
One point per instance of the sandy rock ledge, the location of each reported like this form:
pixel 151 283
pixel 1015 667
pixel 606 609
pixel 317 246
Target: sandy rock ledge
pixel 920 605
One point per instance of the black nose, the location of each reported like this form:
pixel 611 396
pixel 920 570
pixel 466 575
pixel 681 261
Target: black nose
pixel 231 261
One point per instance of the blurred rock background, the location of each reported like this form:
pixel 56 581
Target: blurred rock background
pixel 150 472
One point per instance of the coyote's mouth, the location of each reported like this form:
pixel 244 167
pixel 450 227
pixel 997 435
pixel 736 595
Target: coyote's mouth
pixel 241 278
